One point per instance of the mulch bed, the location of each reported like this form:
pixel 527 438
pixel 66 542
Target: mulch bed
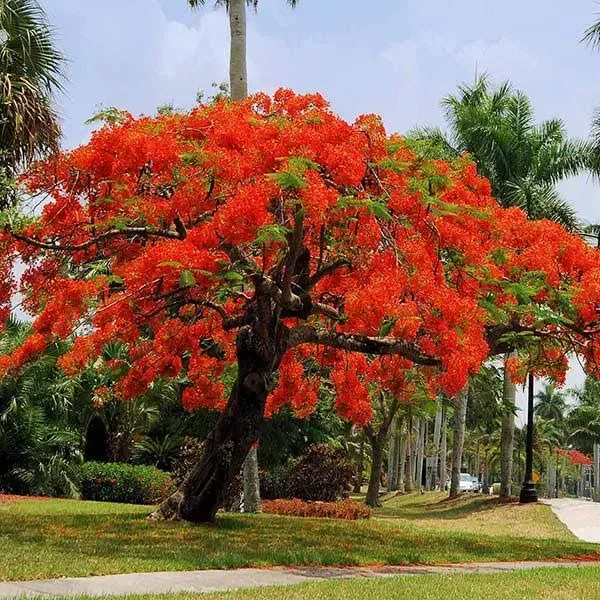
pixel 8 498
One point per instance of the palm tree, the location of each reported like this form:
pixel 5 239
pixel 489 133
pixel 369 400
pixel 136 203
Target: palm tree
pixel 238 76
pixel 30 74
pixel 551 405
pixel 238 86
pixel 523 162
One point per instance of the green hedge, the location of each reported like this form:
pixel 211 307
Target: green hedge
pixel 118 482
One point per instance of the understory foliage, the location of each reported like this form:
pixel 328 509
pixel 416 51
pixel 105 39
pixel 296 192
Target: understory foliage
pixel 119 482
pixel 323 473
pixel 332 248
pixel 346 509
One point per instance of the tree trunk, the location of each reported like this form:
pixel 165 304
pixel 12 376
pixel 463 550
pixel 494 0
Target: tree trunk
pixel 444 451
pixel 409 482
pixel 458 427
pixel 507 435
pixel 435 461
pixel 402 460
pixel 392 458
pixel 238 76
pixel 251 482
pixel 420 454
pixel 236 431
pixel 360 465
pixel 396 458
pixel 486 475
pixel 377 443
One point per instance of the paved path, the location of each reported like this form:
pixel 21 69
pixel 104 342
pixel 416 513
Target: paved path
pixel 582 517
pixel 211 581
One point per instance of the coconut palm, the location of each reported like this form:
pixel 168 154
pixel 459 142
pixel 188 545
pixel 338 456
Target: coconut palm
pixel 551 405
pixel 30 74
pixel 238 76
pixel 238 87
pixel 523 161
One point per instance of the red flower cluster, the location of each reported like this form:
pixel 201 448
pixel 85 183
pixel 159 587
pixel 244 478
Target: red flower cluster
pixel 575 457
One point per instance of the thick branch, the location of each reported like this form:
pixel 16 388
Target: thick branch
pixel 127 231
pixel 305 334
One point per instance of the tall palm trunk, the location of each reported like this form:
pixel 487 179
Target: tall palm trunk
pixel 443 477
pixel 402 459
pixel 392 483
pixel 238 75
pixel 409 482
pixel 507 439
pixel 238 83
pixel 458 427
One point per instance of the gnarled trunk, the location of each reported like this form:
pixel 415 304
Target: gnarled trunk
pixel 458 428
pixel 507 438
pixel 237 429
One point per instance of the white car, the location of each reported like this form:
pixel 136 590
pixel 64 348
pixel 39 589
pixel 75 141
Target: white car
pixel 465 483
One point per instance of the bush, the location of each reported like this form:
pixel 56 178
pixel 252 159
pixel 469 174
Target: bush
pixel 273 483
pixel 346 509
pixel 118 482
pixel 324 473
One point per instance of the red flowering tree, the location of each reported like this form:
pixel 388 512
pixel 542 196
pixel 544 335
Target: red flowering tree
pixel 220 245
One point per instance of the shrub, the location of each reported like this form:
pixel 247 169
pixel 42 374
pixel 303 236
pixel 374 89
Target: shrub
pixel 346 509
pixel 324 473
pixel 118 482
pixel 273 483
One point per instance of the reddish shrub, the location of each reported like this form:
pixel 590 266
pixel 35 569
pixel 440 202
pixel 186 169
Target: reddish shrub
pixel 346 509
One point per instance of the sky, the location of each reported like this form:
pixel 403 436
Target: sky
pixel 390 57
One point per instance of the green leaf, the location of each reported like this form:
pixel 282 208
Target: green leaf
pixel 272 233
pixel 287 180
pixel 187 279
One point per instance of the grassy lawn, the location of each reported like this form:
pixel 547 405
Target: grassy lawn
pixel 475 513
pixel 558 584
pixel 53 538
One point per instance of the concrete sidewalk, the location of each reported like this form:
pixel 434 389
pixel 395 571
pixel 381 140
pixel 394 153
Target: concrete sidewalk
pixel 582 517
pixel 211 581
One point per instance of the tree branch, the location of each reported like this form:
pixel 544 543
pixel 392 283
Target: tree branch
pixel 365 344
pixel 128 231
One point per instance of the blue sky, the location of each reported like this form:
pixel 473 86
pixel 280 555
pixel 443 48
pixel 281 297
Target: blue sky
pixel 395 58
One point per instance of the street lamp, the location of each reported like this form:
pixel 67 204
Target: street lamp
pixel 528 491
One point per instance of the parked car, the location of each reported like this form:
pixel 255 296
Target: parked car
pixel 465 483
pixel 476 484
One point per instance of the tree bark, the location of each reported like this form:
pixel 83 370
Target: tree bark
pixel 507 439
pixel 458 427
pixel 251 482
pixel 437 430
pixel 377 443
pixel 238 75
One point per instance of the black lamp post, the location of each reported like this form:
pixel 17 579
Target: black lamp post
pixel 528 491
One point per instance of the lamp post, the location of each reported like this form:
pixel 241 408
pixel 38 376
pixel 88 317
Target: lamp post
pixel 528 491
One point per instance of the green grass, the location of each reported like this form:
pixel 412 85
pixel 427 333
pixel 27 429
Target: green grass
pixel 54 538
pixel 557 584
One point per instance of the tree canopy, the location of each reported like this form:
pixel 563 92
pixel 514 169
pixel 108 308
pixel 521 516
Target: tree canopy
pixel 221 244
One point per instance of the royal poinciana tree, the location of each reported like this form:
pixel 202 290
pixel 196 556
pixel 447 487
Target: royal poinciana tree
pixel 231 246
